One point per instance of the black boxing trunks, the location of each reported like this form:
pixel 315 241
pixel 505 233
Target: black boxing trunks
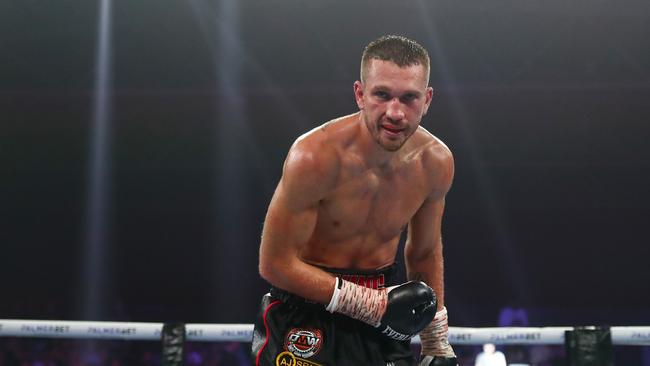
pixel 292 331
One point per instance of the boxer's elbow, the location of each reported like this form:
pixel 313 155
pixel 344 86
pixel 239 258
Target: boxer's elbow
pixel 277 264
pixel 415 256
pixel 416 252
pixel 267 261
pixel 266 270
pixel 273 271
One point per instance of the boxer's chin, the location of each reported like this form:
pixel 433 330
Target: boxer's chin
pixel 391 141
pixel 390 145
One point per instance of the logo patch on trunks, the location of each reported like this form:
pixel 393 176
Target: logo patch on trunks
pixel 287 358
pixel 303 342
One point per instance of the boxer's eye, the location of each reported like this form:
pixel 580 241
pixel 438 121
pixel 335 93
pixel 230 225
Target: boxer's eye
pixel 382 95
pixel 408 98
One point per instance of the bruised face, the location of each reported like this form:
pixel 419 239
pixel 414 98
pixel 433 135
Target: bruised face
pixel 393 100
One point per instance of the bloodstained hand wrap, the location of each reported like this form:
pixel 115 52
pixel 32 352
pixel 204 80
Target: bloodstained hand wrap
pixel 434 337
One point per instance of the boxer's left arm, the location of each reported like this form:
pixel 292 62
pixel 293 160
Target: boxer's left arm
pixel 423 252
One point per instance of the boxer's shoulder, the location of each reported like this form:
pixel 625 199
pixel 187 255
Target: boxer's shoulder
pixel 321 149
pixel 434 158
pixel 313 160
pixel 429 152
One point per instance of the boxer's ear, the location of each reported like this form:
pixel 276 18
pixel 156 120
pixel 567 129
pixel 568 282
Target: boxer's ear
pixel 358 94
pixel 427 100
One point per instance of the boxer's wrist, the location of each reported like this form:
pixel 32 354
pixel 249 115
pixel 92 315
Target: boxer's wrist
pixel 358 302
pixel 333 304
pixel 435 337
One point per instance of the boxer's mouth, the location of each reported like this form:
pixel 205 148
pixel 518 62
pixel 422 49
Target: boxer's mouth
pixel 392 130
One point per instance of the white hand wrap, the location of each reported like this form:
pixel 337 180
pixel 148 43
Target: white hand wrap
pixel 358 302
pixel 434 337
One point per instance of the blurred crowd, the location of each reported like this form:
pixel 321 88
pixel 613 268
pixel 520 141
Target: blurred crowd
pixel 63 352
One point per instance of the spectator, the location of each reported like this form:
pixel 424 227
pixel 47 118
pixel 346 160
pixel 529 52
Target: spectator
pixel 490 356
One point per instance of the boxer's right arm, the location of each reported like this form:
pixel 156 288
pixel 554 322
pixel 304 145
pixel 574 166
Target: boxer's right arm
pixel 309 173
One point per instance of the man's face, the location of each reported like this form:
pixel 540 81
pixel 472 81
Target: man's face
pixel 489 348
pixel 393 100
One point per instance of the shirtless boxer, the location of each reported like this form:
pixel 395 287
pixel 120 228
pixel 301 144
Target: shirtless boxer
pixel 348 190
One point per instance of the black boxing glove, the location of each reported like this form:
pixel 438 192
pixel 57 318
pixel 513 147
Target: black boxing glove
pixel 411 307
pixel 399 312
pixel 438 361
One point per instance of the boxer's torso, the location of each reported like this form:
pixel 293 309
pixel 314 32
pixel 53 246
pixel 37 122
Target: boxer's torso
pixel 361 218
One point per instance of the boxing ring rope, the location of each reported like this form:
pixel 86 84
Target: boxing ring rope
pixel 138 331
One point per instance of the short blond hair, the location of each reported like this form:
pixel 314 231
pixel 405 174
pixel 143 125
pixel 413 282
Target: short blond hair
pixel 397 49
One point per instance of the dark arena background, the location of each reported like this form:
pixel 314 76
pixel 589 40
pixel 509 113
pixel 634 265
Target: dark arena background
pixel 141 141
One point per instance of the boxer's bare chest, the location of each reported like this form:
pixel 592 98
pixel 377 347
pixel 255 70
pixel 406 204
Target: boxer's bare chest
pixel 371 204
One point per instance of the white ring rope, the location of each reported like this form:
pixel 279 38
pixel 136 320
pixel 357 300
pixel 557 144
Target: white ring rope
pixel 630 336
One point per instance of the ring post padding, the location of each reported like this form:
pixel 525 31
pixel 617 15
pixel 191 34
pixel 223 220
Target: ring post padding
pixel 173 343
pixel 587 346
